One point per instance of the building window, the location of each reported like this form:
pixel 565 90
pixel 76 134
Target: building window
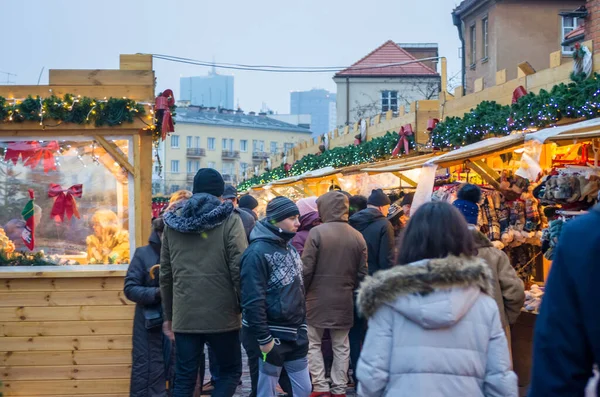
pixel 175 166
pixel 211 164
pixel 224 143
pixel 473 42
pixel 174 188
pixel 211 144
pixel 273 147
pixel 484 37
pixel 258 146
pixel 188 142
pixel 389 101
pixel 193 166
pixel 174 141
pixel 243 145
pixel 287 147
pixel 243 168
pixel 568 25
pixel 197 142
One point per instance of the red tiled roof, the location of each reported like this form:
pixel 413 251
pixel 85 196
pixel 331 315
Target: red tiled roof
pixel 575 32
pixel 388 53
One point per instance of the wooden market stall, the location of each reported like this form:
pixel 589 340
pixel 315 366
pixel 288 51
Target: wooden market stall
pixel 66 330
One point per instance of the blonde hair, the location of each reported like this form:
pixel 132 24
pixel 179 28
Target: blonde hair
pixel 177 197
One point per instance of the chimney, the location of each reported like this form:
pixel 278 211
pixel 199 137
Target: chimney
pixel 252 113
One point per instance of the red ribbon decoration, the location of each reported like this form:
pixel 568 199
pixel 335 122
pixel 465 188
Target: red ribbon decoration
pixel 20 149
pixel 519 92
pixel 404 133
pixel 65 201
pixel 163 103
pixel 44 154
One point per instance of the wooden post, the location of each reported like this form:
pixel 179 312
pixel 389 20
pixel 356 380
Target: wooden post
pixel 444 70
pixel 525 69
pixel 478 85
pixel 142 154
pixel 501 77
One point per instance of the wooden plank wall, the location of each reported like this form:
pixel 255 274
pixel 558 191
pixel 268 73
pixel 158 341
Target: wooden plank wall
pixel 65 336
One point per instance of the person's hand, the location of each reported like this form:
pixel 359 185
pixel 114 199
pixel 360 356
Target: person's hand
pixel 168 330
pixel 268 347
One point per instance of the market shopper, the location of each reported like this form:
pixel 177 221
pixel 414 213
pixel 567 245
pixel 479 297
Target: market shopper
pixel 230 194
pixel 148 377
pixel 509 291
pixel 309 218
pixel 203 242
pixel 357 204
pixel 335 261
pixel 434 328
pixel 566 342
pixel 274 310
pixel 249 204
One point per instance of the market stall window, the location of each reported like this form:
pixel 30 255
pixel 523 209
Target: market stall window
pixel 80 208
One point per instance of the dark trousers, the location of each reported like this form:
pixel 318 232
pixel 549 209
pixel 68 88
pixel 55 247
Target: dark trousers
pixel 190 349
pixel 254 355
pixel 357 337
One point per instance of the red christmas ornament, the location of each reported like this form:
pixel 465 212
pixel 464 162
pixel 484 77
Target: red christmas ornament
pixel 404 133
pixel 28 233
pixel 287 167
pixel 162 107
pixel 519 92
pixel 431 124
pixel 65 201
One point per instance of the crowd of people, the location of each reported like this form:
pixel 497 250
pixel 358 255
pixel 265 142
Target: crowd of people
pixel 409 304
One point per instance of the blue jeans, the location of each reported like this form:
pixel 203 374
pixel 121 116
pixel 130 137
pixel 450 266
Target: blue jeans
pixel 227 354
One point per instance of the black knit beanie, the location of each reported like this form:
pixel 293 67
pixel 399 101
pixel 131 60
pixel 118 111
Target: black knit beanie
pixel 208 180
pixel 248 201
pixel 378 198
pixel 281 208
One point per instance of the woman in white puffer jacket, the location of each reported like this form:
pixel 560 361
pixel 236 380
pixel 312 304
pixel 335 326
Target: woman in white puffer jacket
pixel 434 327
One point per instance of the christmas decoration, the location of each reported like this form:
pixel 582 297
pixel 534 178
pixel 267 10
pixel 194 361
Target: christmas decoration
pixel 32 153
pixel 163 107
pixel 71 109
pixel 376 149
pixel 6 245
pixel 518 93
pixel 23 259
pixel 576 100
pixel 362 135
pixel 159 203
pixel 431 123
pixel 65 201
pixel 28 234
pixel 405 132
pixel 583 63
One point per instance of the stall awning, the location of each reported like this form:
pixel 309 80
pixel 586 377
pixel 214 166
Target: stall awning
pixel 400 165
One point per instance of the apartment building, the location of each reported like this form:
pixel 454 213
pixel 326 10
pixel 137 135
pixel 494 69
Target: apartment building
pixel 231 142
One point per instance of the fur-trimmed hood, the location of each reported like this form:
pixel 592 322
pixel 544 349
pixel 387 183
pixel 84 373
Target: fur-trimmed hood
pixel 202 212
pixel 481 241
pixel 434 293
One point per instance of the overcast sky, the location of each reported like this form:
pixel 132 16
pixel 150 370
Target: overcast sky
pixel 63 34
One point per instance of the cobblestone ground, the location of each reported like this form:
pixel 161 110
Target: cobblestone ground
pixel 244 389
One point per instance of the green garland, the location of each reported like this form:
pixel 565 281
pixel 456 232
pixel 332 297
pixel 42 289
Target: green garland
pixel 71 109
pixel 376 149
pixel 578 99
pixel 20 259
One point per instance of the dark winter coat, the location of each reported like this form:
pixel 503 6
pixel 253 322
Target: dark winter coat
pixel 249 211
pixel 335 262
pixel 147 369
pixel 247 220
pixel 379 235
pixel 509 291
pixel 202 245
pixel 567 331
pixel 272 287
pixel 307 222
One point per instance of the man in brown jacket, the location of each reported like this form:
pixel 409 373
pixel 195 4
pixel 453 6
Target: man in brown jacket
pixel 335 261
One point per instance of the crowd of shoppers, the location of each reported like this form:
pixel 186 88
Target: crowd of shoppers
pixel 341 284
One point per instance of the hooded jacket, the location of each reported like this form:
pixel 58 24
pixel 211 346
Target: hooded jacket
pixel 272 287
pixel 335 262
pixel 250 212
pixel 147 368
pixel 203 242
pixel 307 222
pixel 247 220
pixel 434 331
pixel 379 235
pixel 509 291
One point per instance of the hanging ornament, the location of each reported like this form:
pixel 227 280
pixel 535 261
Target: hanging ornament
pixel 162 107
pixel 268 164
pixel 45 154
pixel 22 149
pixel 65 201
pixel 431 123
pixel 324 146
pixel 519 92
pixel 28 233
pixel 287 168
pixel 403 134
pixel 362 135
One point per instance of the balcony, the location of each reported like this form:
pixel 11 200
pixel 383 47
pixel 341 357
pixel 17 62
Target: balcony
pixel 196 152
pixel 230 155
pixel 260 156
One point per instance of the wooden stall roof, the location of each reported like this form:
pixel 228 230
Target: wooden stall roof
pixel 405 164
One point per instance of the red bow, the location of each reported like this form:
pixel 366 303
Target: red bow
pixel 163 103
pixel 45 154
pixel 65 201
pixel 404 133
pixel 20 149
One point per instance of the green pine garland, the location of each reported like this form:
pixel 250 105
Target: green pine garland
pixel 21 259
pixel 71 109
pixel 376 149
pixel 578 99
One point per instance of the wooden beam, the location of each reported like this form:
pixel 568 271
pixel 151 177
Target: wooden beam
pixel 142 151
pixel 57 129
pixel 555 59
pixel 444 70
pixel 136 92
pixel 135 62
pixel 405 179
pixel 501 77
pixel 483 175
pixel 101 77
pixel 114 151
pixel 525 69
pixel 478 85
pixel 491 172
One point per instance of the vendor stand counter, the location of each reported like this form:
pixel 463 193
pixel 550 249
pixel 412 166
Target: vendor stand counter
pixel 66 331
